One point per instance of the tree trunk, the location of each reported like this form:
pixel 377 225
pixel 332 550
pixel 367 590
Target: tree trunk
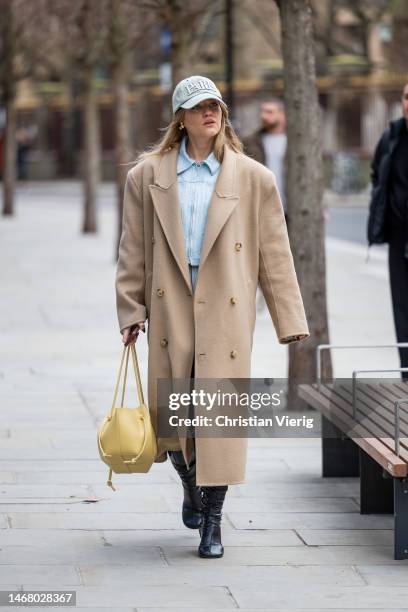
pixel 67 168
pixel 180 64
pixel 9 171
pixel 91 161
pixel 398 52
pixel 180 54
pixel 8 87
pixel 122 137
pixel 304 186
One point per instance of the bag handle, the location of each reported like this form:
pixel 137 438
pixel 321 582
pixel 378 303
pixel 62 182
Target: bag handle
pixel 126 351
pixel 137 372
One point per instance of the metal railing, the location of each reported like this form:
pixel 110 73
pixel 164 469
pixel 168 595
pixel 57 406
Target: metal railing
pixel 322 347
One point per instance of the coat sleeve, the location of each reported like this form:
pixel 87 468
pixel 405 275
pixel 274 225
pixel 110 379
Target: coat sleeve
pixel 376 210
pixel 130 269
pixel 277 275
pixel 375 164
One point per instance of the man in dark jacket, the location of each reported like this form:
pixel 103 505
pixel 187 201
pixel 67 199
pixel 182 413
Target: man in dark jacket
pixel 268 146
pixel 268 143
pixel 388 215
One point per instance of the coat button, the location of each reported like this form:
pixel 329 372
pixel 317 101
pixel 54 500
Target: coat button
pixel 238 246
pixel 233 354
pixel 153 239
pixel 164 342
pixel 233 300
pixel 160 292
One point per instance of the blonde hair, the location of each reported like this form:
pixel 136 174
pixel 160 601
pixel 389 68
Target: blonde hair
pixel 173 135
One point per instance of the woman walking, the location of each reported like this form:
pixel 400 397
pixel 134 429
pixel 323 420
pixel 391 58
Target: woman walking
pixel 202 225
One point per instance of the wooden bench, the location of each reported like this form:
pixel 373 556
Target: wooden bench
pixel 365 433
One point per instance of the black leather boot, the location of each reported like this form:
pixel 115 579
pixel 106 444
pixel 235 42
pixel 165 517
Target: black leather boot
pixel 210 531
pixel 192 506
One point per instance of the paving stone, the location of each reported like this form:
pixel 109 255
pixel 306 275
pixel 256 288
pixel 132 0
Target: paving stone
pixel 289 490
pixel 41 537
pixel 306 555
pixel 44 465
pixel 150 505
pixel 171 596
pixel 384 575
pixel 354 537
pixel 82 476
pixel 48 453
pixel 99 553
pixel 203 574
pixel 365 597
pixel 57 574
pixel 79 520
pixel 17 444
pixel 329 520
pixel 27 491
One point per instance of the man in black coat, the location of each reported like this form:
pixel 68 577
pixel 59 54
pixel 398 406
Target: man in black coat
pixel 388 215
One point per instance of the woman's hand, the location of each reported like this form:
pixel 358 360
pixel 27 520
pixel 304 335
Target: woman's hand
pixel 130 334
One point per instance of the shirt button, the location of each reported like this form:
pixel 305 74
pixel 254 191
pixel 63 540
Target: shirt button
pixel 164 342
pixel 238 246
pixel 160 292
pixel 233 354
pixel 233 300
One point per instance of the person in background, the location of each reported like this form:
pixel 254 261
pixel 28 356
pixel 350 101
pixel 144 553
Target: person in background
pixel 268 143
pixel 268 146
pixel 25 137
pixel 388 215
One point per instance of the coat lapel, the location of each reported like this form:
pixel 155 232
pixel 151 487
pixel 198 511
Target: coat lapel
pixel 224 199
pixel 166 202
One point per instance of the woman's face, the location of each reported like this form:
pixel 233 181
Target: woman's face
pixel 204 119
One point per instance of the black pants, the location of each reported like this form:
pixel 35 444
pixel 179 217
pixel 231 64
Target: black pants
pixel 398 270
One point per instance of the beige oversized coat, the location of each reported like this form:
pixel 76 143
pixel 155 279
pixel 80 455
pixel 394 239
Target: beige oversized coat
pixel 245 242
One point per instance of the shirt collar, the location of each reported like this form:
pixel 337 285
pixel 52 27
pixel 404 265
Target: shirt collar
pixel 184 160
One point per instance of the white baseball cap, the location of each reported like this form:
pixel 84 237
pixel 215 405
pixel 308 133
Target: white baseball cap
pixel 194 89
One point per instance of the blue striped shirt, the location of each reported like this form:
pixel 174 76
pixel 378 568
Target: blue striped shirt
pixel 196 182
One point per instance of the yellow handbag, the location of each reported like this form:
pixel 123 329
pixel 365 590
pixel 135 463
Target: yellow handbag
pixel 126 438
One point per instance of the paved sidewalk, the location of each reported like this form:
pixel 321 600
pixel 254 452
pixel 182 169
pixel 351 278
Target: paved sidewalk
pixel 293 541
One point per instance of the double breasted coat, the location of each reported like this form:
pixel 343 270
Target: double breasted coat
pixel 245 242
